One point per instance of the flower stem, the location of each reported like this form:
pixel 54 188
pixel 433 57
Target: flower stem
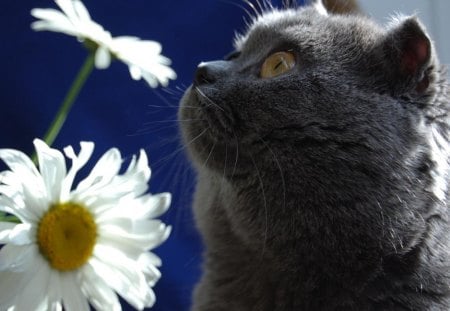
pixel 71 95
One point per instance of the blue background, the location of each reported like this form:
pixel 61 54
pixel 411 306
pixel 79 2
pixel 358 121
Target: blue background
pixel 115 111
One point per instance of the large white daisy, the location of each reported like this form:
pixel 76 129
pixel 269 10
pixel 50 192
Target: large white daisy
pixel 142 56
pixel 83 244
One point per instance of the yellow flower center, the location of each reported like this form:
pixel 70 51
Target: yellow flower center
pixel 66 236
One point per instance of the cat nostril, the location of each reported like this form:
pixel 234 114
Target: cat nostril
pixel 210 72
pixel 204 75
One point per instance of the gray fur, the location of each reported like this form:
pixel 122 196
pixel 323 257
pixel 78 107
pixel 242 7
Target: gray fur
pixel 324 188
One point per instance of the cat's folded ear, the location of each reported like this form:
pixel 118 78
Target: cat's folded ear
pixel 407 51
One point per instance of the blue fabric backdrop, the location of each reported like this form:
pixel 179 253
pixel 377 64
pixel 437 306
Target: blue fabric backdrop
pixel 115 111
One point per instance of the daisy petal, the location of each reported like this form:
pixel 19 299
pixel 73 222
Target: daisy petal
pixel 22 234
pixel 33 296
pixel 78 161
pixel 66 28
pixel 51 16
pixel 11 206
pixel 144 207
pixel 67 6
pixel 106 168
pixel 19 163
pixel 5 230
pixel 101 296
pixel 153 236
pixel 151 79
pixel 73 298
pixel 121 274
pixel 17 258
pixel 102 58
pixel 146 263
pixel 11 281
pixel 52 167
pixel 54 291
pixel 81 11
pixel 135 72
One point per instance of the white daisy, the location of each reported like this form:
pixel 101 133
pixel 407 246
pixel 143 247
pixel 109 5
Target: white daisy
pixel 142 56
pixel 83 244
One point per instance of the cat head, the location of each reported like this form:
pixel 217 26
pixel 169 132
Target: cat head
pixel 315 91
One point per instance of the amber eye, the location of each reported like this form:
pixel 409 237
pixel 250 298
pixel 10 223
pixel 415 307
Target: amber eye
pixel 277 64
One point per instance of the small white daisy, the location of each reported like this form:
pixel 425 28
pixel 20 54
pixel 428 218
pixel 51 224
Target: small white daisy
pixel 83 244
pixel 142 56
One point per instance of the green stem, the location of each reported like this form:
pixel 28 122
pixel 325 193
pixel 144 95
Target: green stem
pixel 72 94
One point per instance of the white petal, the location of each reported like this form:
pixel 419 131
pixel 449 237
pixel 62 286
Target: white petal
pixel 48 14
pixel 81 11
pixel 54 291
pixel 130 250
pixel 106 168
pixel 144 207
pixel 17 258
pixel 35 202
pixel 135 72
pixel 68 8
pixel 159 203
pixel 52 16
pixel 151 80
pixel 149 258
pixel 10 286
pixel 147 266
pixel 33 296
pixel 147 238
pixel 19 163
pixel 73 298
pixel 123 276
pixel 10 205
pixel 78 161
pixel 52 167
pixel 5 230
pixel 32 184
pixel 100 295
pixel 22 234
pixel 61 27
pixel 102 57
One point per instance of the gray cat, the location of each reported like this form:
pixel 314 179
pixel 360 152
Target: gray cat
pixel 322 152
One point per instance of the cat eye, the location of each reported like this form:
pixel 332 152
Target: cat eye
pixel 277 64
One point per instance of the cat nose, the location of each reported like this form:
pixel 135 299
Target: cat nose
pixel 210 72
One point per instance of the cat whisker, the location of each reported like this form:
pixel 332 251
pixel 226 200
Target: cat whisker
pixel 224 167
pixel 208 99
pixel 210 153
pixel 174 121
pixel 210 88
pixel 261 185
pixel 279 169
pixel 165 100
pixel 171 91
pixel 176 151
pixel 150 130
pixel 159 106
pixel 237 155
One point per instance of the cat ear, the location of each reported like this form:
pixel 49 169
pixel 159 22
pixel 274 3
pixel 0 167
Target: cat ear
pixel 409 52
pixel 320 7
